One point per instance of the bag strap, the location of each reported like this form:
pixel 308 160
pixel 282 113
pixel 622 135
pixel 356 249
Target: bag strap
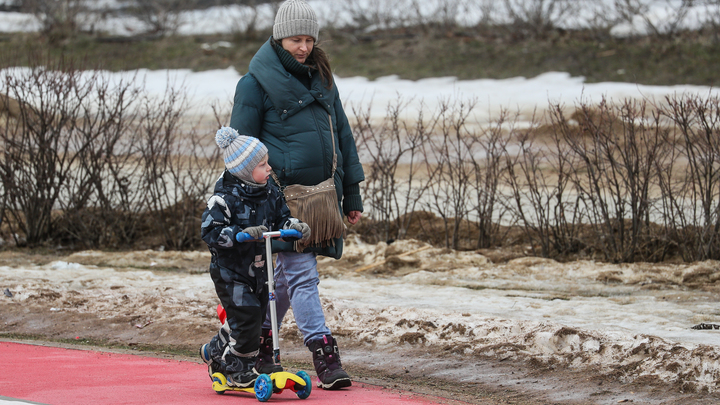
pixel 332 139
pixel 334 167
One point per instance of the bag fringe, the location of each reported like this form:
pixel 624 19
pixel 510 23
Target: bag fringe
pixel 318 207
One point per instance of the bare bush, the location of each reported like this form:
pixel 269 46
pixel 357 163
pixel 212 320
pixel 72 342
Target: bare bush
pixel 175 176
pixel 162 16
pixel 596 18
pixel 712 16
pixel 568 216
pixel 618 146
pixel 246 24
pixel 98 163
pixel 59 19
pixel 393 184
pixel 99 206
pixel 534 18
pixel 693 198
pixel 659 18
pixel 487 10
pixel 538 177
pixel 42 146
pixel 490 145
pixel 438 165
pixel 370 15
pixel 437 15
pixel 93 162
pixel 450 166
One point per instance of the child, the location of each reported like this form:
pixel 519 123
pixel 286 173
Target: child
pixel 243 201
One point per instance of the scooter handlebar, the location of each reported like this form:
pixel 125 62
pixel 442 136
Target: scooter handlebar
pixel 290 233
pixel 284 233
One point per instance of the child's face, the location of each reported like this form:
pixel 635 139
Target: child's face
pixel 261 173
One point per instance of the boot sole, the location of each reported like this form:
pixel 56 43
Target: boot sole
pixel 238 384
pixel 211 371
pixel 335 385
pixel 243 385
pixel 207 360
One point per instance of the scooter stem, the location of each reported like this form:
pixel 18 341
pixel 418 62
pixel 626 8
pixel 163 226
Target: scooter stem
pixel 271 293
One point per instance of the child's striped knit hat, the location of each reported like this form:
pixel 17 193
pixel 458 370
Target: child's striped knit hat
pixel 242 153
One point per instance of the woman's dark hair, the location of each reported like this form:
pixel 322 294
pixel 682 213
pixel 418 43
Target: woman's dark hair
pixel 319 59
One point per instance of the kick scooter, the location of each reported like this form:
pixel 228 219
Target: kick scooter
pixel 266 385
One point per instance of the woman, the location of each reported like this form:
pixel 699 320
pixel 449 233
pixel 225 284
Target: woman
pixel 285 100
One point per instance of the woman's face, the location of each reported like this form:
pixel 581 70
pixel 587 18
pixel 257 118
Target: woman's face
pixel 298 46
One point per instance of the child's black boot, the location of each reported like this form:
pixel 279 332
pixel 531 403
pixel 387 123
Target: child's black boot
pixel 326 358
pixel 240 371
pixel 211 353
pixel 265 363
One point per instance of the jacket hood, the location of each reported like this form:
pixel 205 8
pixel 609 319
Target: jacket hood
pixel 286 93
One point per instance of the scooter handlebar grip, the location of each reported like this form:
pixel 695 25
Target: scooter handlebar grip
pixel 243 237
pixel 290 233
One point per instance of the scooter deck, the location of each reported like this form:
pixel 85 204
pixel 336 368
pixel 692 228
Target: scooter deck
pixel 266 385
pixel 220 385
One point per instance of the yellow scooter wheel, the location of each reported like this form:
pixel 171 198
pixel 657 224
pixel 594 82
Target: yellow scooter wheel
pixel 219 383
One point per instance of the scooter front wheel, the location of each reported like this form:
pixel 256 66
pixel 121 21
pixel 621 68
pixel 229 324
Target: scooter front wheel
pixel 263 388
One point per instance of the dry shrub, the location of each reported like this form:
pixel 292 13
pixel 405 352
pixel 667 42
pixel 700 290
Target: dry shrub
pixel 92 163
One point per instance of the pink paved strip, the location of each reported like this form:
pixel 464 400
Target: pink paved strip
pixel 59 376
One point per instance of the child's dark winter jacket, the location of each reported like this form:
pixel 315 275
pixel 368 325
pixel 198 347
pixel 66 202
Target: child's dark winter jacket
pixel 233 207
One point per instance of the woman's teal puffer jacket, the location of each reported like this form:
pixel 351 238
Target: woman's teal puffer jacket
pixel 292 121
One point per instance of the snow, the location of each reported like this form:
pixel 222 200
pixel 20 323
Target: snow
pixel 583 314
pixel 519 94
pixel 660 15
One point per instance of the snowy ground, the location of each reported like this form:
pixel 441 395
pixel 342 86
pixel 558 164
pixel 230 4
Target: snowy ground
pixel 636 18
pixel 628 323
pixel 526 96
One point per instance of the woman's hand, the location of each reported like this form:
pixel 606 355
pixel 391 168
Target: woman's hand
pixel 353 217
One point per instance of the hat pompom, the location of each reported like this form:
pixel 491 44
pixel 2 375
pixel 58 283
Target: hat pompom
pixel 225 136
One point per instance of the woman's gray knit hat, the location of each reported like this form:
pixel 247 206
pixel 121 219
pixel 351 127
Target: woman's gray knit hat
pixel 295 17
pixel 241 153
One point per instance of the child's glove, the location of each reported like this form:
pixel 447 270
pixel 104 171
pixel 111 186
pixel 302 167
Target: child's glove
pixel 255 231
pixel 302 227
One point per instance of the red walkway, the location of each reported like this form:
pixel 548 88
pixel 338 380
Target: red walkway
pixel 57 376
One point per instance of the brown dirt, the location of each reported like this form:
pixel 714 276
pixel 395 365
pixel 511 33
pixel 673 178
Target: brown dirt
pixel 432 371
pixel 440 371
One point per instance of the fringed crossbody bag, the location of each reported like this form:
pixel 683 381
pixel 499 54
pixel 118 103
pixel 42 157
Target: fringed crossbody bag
pixel 317 206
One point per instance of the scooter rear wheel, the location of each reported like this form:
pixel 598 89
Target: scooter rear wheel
pixel 305 391
pixel 219 383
